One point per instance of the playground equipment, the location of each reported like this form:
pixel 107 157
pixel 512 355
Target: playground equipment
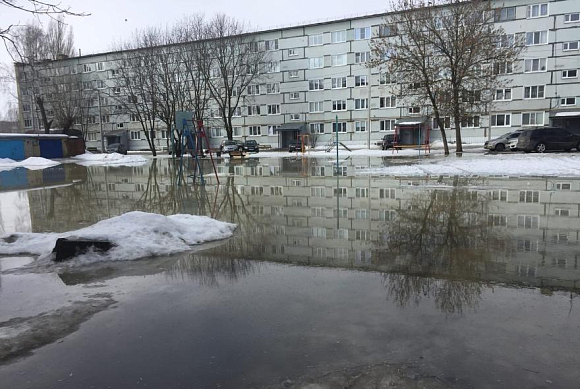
pixel 192 137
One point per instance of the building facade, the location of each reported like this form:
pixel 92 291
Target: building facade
pixel 318 81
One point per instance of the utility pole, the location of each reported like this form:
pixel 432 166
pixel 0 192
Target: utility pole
pixel 101 121
pixel 369 113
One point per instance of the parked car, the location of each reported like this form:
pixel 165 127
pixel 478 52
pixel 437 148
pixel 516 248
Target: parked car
pixel 541 139
pixel 388 141
pixel 117 148
pixel 295 145
pixel 251 146
pixel 228 146
pixel 501 142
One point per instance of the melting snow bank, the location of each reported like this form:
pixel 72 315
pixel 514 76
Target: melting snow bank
pixel 113 159
pixel 489 165
pixel 134 235
pixel 32 163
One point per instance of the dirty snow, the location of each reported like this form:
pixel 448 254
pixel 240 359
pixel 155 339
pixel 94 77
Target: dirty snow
pixel 134 235
pixel 113 159
pixel 488 165
pixel 32 163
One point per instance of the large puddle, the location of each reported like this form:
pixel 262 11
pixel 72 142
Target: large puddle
pixel 331 277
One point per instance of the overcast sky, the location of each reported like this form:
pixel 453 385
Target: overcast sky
pixel 112 20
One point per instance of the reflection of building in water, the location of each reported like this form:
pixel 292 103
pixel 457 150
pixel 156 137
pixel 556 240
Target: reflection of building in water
pixel 519 230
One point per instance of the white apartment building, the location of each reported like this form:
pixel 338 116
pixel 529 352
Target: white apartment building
pixel 318 76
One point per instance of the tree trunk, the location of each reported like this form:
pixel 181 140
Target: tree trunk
pixel 443 134
pixel 45 122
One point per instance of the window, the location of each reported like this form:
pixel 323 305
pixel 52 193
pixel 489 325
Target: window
pixel 135 135
pixel 105 119
pixel 499 194
pixel 339 105
pixel 535 65
pixel 255 130
pixel 501 120
pixel 361 192
pixel 316 63
pixel 316 106
pixel 273 88
pixel 237 131
pixel 318 232
pixel 92 136
pixel 361 103
pixel 274 109
pixel 537 10
pixel 87 85
pixel 532 119
pixel 503 94
pixel 316 84
pixel 338 36
pixel 315 40
pixel 536 38
pixel 470 122
pixel 100 84
pixel 341 126
pixel 100 66
pixel 504 14
pixel 272 130
pixel 529 196
pixel 342 233
pixel 294 95
pixel 387 125
pixel 87 68
pixel 569 73
pixel 568 101
pixel 361 57
pixel 27 123
pixel 253 89
pixel 497 220
pixel 388 102
pixel 338 82
pixel 318 211
pixel 293 74
pixel 317 128
pixel 563 186
pixel 134 117
pixel 362 214
pixel 339 60
pixel 528 221
pixel 362 33
pixel 341 171
pixel 237 112
pixel 292 53
pixel 572 18
pixel 360 126
pixel 387 193
pixel 271 45
pixel 276 191
pixel 506 40
pixel 114 72
pixel 216 132
pixel 294 116
pixel 568 46
pixel 361 81
pixel 387 30
pixel 414 110
pixel 120 125
pixel 534 92
pixel 273 67
pixel 253 110
pixel 502 68
pixel 386 79
pixel 117 90
pixel 26 107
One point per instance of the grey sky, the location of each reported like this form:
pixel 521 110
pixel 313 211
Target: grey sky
pixel 112 20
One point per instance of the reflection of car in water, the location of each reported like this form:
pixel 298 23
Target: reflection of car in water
pixel 117 148
pixel 502 142
pixel 228 146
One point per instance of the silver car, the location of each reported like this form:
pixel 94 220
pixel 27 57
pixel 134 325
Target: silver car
pixel 501 143
pixel 231 145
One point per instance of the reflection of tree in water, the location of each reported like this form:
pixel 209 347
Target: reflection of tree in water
pixel 208 270
pixel 438 246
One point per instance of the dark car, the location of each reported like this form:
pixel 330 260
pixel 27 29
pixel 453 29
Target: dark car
pixel 388 141
pixel 295 145
pixel 541 139
pixel 251 146
pixel 117 148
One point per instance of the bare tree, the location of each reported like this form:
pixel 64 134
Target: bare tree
pixel 230 60
pixel 59 39
pixel 444 53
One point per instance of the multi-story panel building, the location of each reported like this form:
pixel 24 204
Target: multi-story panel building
pixel 317 76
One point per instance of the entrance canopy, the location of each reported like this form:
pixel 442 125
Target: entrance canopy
pixel 411 121
pixel 300 127
pixel 562 114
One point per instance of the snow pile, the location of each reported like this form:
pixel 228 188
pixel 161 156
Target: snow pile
pixel 113 159
pixel 134 235
pixel 32 163
pixel 489 165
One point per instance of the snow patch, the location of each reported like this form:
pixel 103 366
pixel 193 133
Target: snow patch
pixel 134 235
pixel 113 159
pixel 489 165
pixel 32 163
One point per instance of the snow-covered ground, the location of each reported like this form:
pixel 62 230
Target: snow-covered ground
pixel 134 235
pixel 487 165
pixel 32 163
pixel 112 159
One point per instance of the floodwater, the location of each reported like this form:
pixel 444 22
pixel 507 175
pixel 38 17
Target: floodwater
pixel 431 282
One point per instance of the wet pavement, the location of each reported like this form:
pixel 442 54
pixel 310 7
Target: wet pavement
pixel 409 282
